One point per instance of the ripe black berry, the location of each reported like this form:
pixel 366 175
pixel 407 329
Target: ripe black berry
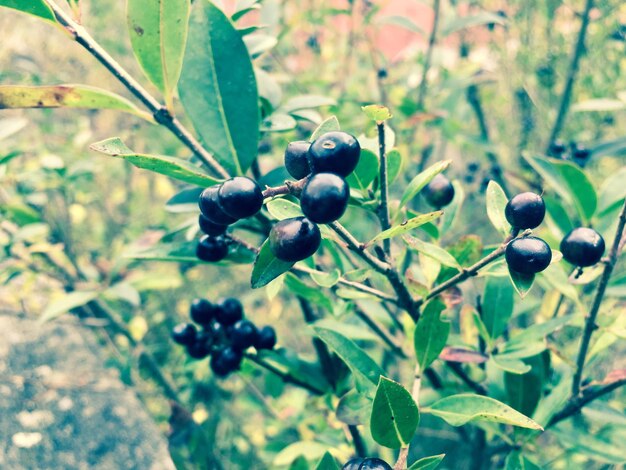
pixel 525 210
pixel 296 160
pixel 334 152
pixel 353 464
pixel 324 198
pixel 240 197
pixel 211 209
pixel 294 239
pixel 375 464
pixel 202 311
pixel 582 247
pixel 528 255
pixel 266 338
pixel 212 249
pixel 201 347
pixel 184 333
pixel 229 311
pixel 211 228
pixel 439 192
pixel 557 148
pixel 243 334
pixel 224 361
pixel 580 155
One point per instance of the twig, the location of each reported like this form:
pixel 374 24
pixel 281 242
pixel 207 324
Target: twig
pixel 284 376
pixel 359 248
pixel 415 392
pixel 467 380
pixel 383 210
pixel 160 112
pixel 571 75
pixel 357 439
pixel 590 319
pixel 380 331
pixel 421 94
pixel 290 187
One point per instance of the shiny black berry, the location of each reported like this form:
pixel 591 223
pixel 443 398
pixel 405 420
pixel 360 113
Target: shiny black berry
pixel 334 152
pixel 525 210
pixel 184 333
pixel 243 335
pixel 224 361
pixel 374 464
pixel 229 311
pixel 265 338
pixel 296 159
pixel 580 155
pixel 439 192
pixel 202 311
pixel 294 239
pixel 211 228
pixel 582 247
pixel 211 209
pixel 557 149
pixel 201 347
pixel 212 249
pixel 528 255
pixel 240 197
pixel 353 464
pixel 324 198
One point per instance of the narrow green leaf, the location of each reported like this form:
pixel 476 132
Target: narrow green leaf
pixel 158 34
pixel 450 213
pixel 377 112
pixel 394 415
pixel 394 164
pixel 432 251
pixel 170 166
pixel 421 180
pixel 328 125
pixel 328 462
pixel 267 267
pixel 66 96
pixel 281 208
pixel 218 88
pixel 431 333
pixel 33 7
pixel 428 463
pixel 67 303
pixel 496 202
pixel 405 227
pixel 458 410
pixel 497 305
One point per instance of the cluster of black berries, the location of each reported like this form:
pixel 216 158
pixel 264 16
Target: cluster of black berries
pixel 371 463
pixel 224 334
pixel 220 206
pixel 576 152
pixel 324 198
pixel 581 247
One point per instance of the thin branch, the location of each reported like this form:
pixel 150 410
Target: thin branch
pixel 380 331
pixel 160 112
pixel 284 376
pixel 590 319
pixel 359 248
pixel 457 369
pixel 290 187
pixel 421 94
pixel 359 444
pixel 383 210
pixel 571 76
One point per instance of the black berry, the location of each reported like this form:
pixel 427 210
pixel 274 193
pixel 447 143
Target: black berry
pixel 201 347
pixel 202 311
pixel 184 333
pixel 211 228
pixel 528 255
pixel 243 335
pixel 210 208
pixel 240 197
pixel 224 361
pixel 582 247
pixel 265 338
pixel 296 159
pixel 324 198
pixel 580 155
pixel 334 152
pixel 525 210
pixel 353 464
pixel 294 239
pixel 374 464
pixel 439 192
pixel 229 311
pixel 212 249
pixel 557 148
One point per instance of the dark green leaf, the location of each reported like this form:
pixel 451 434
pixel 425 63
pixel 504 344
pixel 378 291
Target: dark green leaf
pixel 522 282
pixel 497 305
pixel 32 7
pixel 394 415
pixel 431 333
pixel 300 463
pixel 328 462
pixel 421 180
pixel 516 461
pixel 525 390
pixel 365 172
pixel 267 267
pixel 312 294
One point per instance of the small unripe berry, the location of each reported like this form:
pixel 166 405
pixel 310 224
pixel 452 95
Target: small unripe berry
pixel 184 333
pixel 240 197
pixel 294 239
pixel 224 361
pixel 202 311
pixel 525 210
pixel 528 255
pixel 209 227
pixel 439 192
pixel 229 311
pixel 296 159
pixel 334 152
pixel 211 209
pixel 582 247
pixel 266 338
pixel 324 198
pixel 212 249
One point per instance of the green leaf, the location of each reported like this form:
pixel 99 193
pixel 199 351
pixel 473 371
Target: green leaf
pixel 525 390
pixel 394 415
pixel 405 226
pixel 403 22
pixel 312 294
pixel 432 251
pixel 328 462
pixel 450 214
pixel 158 34
pixel 497 305
pixel 431 333
pixel 308 449
pixel 354 408
pixel 66 96
pixel 377 112
pixel 458 410
pixel 281 208
pixel 394 164
pixel 365 370
pixel 522 282
pixel 218 88
pixel 32 7
pixel 170 166
pixel 267 267
pixel 516 461
pixel 459 23
pixel 300 463
pixel 67 303
pixel 186 253
pixel 428 463
pixel 421 180
pixel 365 172
pixel 555 401
pixel 496 202
pixel 328 125
pixel 326 279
